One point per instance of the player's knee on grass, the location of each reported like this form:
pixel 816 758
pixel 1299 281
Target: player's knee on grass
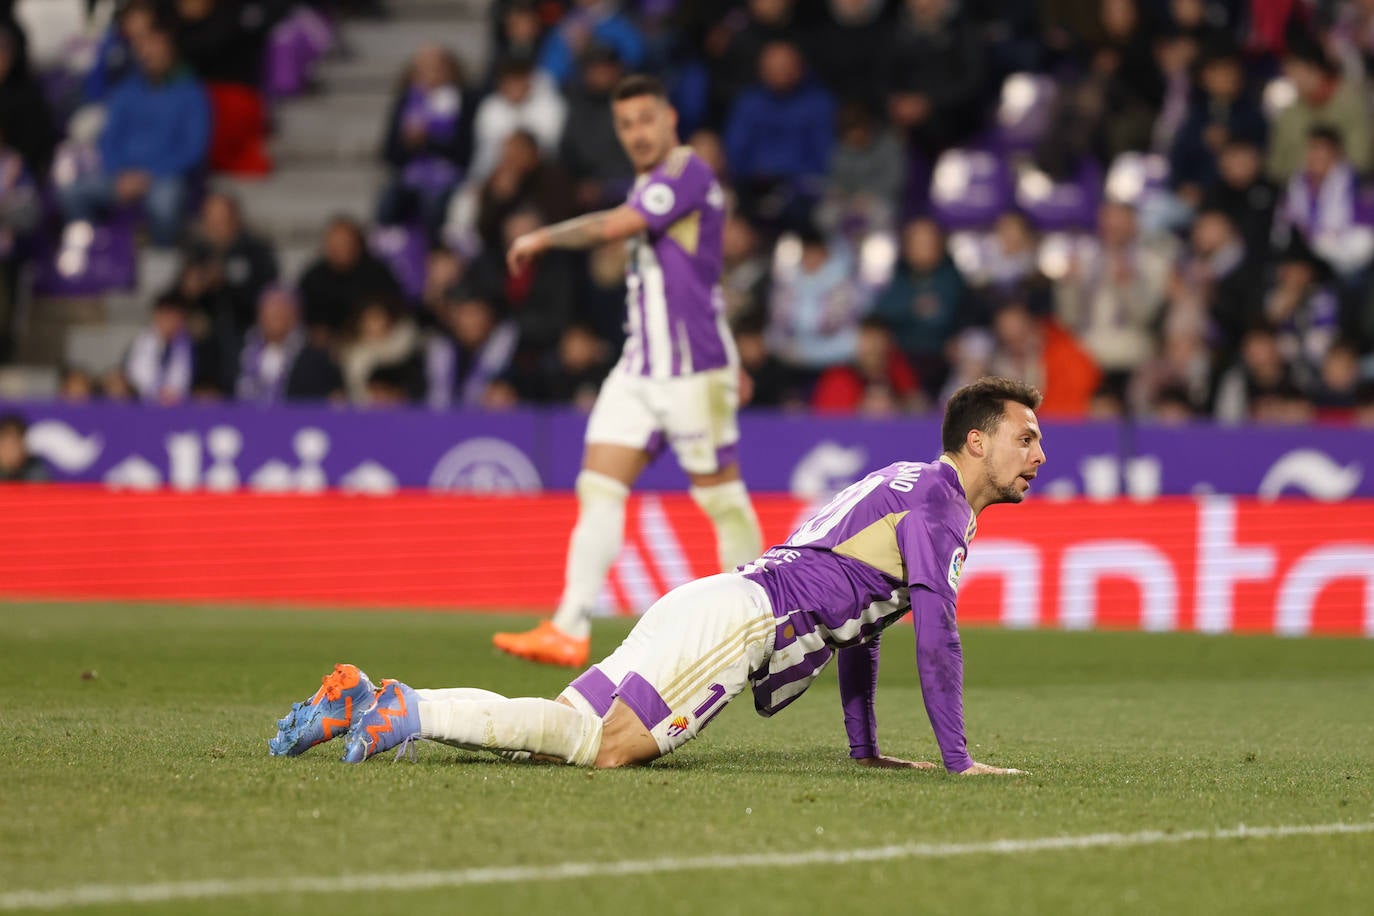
pixel 625 741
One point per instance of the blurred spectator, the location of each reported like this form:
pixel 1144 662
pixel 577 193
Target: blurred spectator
pixel 542 297
pixel 20 212
pixel 735 44
pixel 589 149
pixel 1171 407
pixel 445 272
pixel 382 336
pixel 523 179
pixel 428 141
pixel 17 465
pixel 226 267
pixel 1217 288
pixel 470 349
pixel 1183 371
pixel 879 382
pixel 1259 375
pixel 152 145
pixel 519 33
pixel 1324 99
pixel 1304 309
pixel 771 384
pixel 711 148
pixel 590 22
pixel 76 386
pixel 340 279
pixel 932 70
pixel 778 137
pixel 1042 353
pixel 114 57
pixel 1364 405
pixel 1340 379
pixel 843 48
pixel 1111 297
pixel 1220 113
pixel 278 363
pixel 925 301
pixel 1176 56
pixel 866 173
pixel 571 373
pixel 1008 265
pixel 1320 204
pixel 223 41
pixel 815 307
pixel 161 362
pixel 745 269
pixel 25 120
pixel 115 387
pixel 1351 38
pixel 523 98
pixel 388 385
pixel 1244 194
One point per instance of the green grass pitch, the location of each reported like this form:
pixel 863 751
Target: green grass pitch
pixel 156 771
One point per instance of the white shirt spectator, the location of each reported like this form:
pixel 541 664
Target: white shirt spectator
pixel 541 111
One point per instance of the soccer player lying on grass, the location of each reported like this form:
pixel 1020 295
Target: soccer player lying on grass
pixel 891 543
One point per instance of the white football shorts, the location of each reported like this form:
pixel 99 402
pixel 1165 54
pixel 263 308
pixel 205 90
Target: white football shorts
pixel 695 415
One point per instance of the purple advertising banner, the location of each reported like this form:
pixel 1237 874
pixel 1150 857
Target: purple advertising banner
pixel 297 449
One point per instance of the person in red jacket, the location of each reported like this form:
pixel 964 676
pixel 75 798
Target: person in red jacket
pixel 879 382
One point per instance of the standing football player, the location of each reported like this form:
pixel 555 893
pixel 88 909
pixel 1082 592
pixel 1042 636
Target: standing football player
pixel 677 382
pixel 892 543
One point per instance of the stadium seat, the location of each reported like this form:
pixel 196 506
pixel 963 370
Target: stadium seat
pixel 88 260
pixel 969 188
pixel 1135 177
pixel 1278 94
pixel 1059 250
pixel 1060 205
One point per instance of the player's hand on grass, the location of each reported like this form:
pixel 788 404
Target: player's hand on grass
pixel 984 769
pixel 525 249
pixel 893 763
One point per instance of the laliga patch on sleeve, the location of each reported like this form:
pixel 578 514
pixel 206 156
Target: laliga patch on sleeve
pixel 657 199
pixel 956 567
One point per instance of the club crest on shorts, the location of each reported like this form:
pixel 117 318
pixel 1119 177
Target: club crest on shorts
pixel 678 726
pixel 956 567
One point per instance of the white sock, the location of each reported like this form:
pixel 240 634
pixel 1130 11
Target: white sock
pixel 448 694
pixel 592 549
pixel 738 539
pixel 529 724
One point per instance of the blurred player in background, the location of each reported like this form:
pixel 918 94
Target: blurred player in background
pixel 893 542
pixel 677 382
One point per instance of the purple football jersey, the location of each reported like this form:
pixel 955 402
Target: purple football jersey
pixel 676 308
pixel 849 571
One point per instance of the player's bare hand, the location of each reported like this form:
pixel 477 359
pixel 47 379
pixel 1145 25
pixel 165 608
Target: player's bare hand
pixel 524 250
pixel 984 769
pixel 893 763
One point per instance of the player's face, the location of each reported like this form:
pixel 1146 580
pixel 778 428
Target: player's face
pixel 647 128
pixel 1014 454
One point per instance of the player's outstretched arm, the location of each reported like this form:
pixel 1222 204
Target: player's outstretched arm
pixel 581 232
pixel 940 663
pixel 858 670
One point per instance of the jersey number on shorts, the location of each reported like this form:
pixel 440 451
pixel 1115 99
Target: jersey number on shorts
pixel 832 513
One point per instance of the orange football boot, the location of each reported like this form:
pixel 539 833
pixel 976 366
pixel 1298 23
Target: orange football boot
pixel 547 645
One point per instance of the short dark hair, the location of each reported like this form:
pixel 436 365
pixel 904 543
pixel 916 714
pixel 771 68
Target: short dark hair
pixel 13 423
pixel 981 406
pixel 637 84
pixel 1323 133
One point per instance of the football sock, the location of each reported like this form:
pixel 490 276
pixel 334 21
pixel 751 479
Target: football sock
pixel 738 539
pixel 595 542
pixel 529 724
pixel 456 693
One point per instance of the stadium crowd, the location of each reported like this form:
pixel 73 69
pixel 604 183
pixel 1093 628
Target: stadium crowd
pixel 1158 210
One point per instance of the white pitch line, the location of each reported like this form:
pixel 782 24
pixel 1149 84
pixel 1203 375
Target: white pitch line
pixel 105 894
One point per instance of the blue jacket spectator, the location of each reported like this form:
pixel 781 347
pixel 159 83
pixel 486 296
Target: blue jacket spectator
pixel 590 22
pixel 1220 113
pixel 923 303
pixel 114 56
pixel 155 138
pixel 783 127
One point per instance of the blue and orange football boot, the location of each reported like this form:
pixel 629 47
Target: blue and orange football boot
pixel 344 695
pixel 394 720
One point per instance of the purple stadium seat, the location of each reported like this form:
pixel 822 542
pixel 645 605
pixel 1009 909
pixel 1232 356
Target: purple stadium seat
pixel 404 250
pixel 88 261
pixel 1023 112
pixel 1134 178
pixel 969 188
pixel 1056 206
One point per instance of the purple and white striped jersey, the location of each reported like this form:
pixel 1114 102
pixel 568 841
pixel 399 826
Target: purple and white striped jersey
pixel 855 567
pixel 676 308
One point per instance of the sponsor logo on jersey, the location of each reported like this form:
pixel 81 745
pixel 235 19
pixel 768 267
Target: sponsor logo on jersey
pixel 956 567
